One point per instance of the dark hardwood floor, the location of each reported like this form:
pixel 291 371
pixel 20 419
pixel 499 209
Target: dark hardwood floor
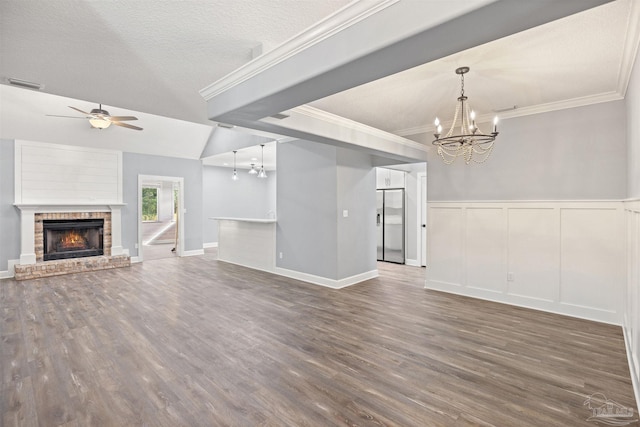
pixel 197 342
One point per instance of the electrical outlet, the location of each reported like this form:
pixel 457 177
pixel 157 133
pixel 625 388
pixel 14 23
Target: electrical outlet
pixel 510 277
pixel 280 255
pixel 345 213
pixel 136 246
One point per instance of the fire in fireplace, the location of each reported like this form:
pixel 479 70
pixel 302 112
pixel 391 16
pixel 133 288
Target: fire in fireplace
pixel 72 238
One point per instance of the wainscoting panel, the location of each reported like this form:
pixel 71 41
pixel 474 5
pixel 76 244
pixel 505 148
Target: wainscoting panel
pixel 563 257
pixel 485 249
pixel 632 294
pixel 445 225
pixel 534 253
pixel 591 247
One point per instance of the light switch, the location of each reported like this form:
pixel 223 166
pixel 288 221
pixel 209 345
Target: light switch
pixel 345 213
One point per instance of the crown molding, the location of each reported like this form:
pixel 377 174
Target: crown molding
pixel 630 49
pixel 525 111
pixel 342 19
pixel 358 127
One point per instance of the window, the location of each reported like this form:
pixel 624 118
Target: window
pixel 149 204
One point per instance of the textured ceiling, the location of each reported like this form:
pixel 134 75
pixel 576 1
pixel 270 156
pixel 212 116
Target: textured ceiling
pixel 144 55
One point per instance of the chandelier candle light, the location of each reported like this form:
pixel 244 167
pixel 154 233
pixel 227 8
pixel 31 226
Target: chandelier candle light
pixel 470 143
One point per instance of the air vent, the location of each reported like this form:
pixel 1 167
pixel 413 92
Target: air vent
pixel 502 110
pixel 25 84
pixel 280 116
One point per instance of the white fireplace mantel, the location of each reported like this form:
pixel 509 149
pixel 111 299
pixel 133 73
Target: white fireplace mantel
pixel 27 224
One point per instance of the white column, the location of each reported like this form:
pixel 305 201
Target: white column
pixel 116 230
pixel 27 233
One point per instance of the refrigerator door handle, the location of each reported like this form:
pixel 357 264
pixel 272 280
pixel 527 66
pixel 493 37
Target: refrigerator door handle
pixel 378 219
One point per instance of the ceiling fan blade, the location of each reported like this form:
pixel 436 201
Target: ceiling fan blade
pixel 66 117
pixel 122 118
pixel 83 112
pixel 127 125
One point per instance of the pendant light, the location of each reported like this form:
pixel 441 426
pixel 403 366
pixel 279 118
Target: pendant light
pixel 262 173
pixel 253 170
pixel 235 176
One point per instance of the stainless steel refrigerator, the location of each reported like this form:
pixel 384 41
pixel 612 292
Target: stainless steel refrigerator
pixel 390 225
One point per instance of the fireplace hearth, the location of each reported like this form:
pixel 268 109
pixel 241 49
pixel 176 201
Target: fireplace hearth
pixel 72 238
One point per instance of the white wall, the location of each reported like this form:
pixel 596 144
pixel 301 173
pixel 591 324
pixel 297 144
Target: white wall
pixel 563 257
pixel 249 197
pixel 632 212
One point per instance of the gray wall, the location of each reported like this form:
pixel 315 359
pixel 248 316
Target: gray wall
pixel 249 197
pixel 9 214
pixel 632 101
pixel 573 154
pixel 306 232
pixel 316 183
pixel 356 194
pixel 141 164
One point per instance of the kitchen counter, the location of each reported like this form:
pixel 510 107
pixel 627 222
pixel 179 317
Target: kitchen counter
pixel 250 242
pixel 259 220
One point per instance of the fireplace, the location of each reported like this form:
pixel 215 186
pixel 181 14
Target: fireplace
pixel 72 238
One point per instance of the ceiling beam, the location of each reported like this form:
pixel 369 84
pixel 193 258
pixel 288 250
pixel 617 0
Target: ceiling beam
pixel 361 44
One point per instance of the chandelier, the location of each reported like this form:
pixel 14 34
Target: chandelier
pixel 470 142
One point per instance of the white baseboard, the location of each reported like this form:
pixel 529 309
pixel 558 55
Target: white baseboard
pixel 135 259
pixel 313 279
pixel 323 281
pixel 632 369
pixel 412 262
pixel 194 252
pixel 581 312
pixel 210 245
pixel 10 272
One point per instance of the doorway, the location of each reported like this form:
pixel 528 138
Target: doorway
pixel 422 218
pixel 160 229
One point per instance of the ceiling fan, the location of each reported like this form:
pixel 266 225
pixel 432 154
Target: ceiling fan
pixel 100 119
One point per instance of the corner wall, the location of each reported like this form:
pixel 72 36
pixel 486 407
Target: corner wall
pixel 316 183
pixel 9 214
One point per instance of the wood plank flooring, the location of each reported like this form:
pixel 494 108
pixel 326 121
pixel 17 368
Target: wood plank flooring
pixel 197 342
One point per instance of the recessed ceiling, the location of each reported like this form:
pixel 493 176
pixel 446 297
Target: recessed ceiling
pixel 582 58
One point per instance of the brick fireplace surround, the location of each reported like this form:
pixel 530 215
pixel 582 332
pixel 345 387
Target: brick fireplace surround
pixel 32 265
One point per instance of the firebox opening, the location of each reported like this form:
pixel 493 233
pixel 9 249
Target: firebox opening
pixel 72 238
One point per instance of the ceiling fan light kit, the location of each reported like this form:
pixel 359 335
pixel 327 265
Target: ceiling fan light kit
pixel 470 143
pixel 97 121
pixel 101 119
